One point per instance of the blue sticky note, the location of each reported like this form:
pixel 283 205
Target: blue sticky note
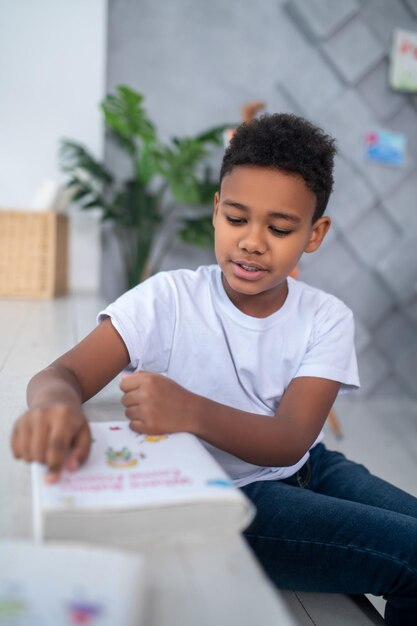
pixel 385 146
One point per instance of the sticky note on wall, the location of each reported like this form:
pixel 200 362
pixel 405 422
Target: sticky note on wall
pixel 385 146
pixel 403 62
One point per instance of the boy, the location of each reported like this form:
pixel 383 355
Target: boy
pixel 250 361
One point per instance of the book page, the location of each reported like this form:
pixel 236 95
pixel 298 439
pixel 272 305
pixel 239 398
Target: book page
pixel 130 470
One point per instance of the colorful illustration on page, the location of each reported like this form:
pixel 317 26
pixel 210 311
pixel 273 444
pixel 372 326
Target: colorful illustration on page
pixel 120 459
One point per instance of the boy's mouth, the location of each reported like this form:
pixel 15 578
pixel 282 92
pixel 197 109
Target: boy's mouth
pixel 248 271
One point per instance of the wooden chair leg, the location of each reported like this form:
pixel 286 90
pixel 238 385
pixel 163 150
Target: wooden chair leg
pixel 335 424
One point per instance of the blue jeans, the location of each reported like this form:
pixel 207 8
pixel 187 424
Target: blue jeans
pixel 334 527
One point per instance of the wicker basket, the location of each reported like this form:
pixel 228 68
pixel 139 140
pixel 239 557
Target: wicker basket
pixel 33 254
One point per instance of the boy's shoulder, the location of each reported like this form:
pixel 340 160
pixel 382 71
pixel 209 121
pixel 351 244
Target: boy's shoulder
pixel 186 278
pixel 164 288
pixel 192 275
pixel 317 301
pixel 183 276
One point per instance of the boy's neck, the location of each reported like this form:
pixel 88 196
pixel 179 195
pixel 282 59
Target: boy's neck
pixel 260 305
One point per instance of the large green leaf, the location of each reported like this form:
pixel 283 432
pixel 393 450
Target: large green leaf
pixel 89 179
pixel 214 135
pixel 136 206
pixel 207 187
pixel 73 156
pixel 125 115
pixel 179 165
pixel 148 162
pixel 198 231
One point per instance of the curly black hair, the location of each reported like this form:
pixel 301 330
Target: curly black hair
pixel 289 143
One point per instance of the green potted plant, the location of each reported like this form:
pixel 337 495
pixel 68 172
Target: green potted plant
pixel 162 179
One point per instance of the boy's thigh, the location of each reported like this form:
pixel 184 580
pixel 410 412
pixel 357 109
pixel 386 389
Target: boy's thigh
pixel 334 475
pixel 308 541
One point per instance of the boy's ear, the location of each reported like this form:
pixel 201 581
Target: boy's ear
pixel 318 233
pixel 216 207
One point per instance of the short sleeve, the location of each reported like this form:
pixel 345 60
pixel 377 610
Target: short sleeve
pixel 331 350
pixel 145 319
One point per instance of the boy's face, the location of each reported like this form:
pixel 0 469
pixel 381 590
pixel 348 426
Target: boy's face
pixel 263 223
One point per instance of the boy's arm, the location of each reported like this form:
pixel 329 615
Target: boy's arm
pixel 155 404
pixel 54 423
pixel 280 440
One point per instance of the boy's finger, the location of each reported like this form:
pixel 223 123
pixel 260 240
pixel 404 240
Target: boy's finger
pixel 130 382
pixel 23 442
pixel 80 450
pixel 57 447
pixel 39 442
pixel 130 398
pixel 14 440
pixel 137 426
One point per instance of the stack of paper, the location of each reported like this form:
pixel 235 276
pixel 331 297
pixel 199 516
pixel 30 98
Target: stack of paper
pixel 137 489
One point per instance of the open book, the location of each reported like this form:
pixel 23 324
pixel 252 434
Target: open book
pixel 64 585
pixel 135 489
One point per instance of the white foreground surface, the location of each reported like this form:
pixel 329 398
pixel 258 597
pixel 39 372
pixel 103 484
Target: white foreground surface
pixel 209 583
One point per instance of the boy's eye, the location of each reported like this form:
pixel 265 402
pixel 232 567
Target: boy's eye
pixel 279 232
pixel 238 221
pixel 234 220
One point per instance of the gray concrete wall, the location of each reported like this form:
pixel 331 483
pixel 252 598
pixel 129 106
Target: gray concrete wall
pixel 198 61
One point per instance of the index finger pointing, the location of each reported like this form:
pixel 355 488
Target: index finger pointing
pixel 57 447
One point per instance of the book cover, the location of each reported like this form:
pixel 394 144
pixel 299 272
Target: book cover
pixel 152 485
pixel 61 585
pixel 403 62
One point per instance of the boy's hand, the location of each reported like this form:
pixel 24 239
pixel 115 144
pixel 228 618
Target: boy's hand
pixel 157 405
pixel 56 435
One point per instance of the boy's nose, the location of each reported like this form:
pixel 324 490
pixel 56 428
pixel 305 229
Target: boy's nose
pixel 253 242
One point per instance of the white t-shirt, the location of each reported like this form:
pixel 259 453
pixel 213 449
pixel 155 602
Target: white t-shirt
pixel 183 324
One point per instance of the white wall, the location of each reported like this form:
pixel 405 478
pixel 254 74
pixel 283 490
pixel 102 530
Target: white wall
pixel 52 77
